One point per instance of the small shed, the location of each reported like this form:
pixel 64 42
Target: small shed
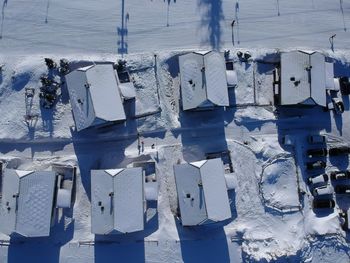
pixel 304 78
pixel 203 80
pixel 202 192
pixel 117 201
pixel 95 96
pixel 27 202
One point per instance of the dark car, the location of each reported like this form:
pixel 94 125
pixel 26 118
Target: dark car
pixel 342 189
pixel 344 219
pixel 344 85
pixel 319 152
pixel 340 175
pixel 323 203
pixel 342 150
pixel 316 165
pixel 316 139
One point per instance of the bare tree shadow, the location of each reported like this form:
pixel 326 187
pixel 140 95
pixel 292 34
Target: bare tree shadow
pixel 211 20
pixel 123 32
pixel 168 10
pixel 4 4
pixel 47 11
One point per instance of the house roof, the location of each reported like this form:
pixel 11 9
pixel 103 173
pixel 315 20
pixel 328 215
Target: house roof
pixel 202 192
pixel 95 95
pixel 303 78
pixel 27 202
pixel 117 200
pixel 203 80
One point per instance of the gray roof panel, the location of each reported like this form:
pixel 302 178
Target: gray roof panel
pixel 202 192
pixel 117 200
pixel 30 196
pixel 190 194
pixel 215 190
pixel 203 80
pixel 129 200
pixel 101 202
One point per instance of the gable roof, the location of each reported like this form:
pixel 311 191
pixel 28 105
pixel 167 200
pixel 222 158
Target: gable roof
pixel 94 95
pixel 203 80
pixel 117 200
pixel 202 192
pixel 27 202
pixel 303 78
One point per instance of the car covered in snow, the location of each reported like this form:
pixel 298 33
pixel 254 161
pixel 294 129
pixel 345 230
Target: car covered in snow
pixel 342 189
pixel 322 190
pixel 315 165
pixel 340 175
pixel 320 179
pixel 323 203
pixel 319 152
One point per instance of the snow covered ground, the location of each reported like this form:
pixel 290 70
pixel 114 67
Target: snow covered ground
pixel 271 219
pixel 129 26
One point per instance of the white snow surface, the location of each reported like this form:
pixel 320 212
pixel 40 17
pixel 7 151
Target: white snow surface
pixel 86 31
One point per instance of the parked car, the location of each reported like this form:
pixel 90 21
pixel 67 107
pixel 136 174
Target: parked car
pixel 344 85
pixel 338 106
pixel 323 178
pixel 319 152
pixel 316 165
pixel 340 175
pixel 341 150
pixel 344 219
pixel 323 204
pixel 322 190
pixel 316 139
pixel 342 189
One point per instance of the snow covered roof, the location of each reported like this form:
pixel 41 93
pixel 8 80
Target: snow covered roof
pixel 27 202
pixel 95 96
pixel 303 78
pixel 117 200
pixel 203 80
pixel 202 192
